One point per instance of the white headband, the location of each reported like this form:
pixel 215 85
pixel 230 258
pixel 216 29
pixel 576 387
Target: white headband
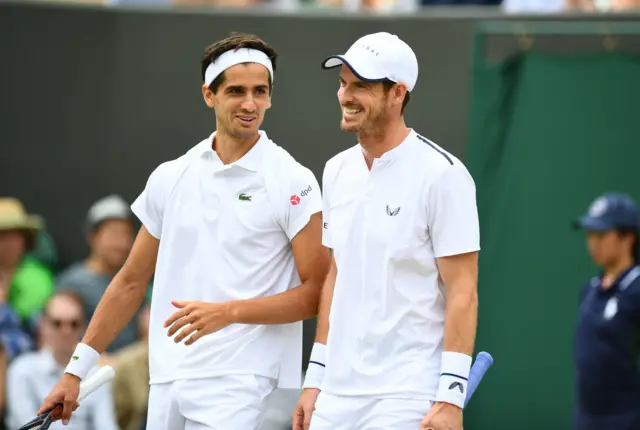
pixel 233 57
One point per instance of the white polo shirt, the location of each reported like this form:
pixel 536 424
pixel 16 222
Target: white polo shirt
pixel 225 233
pixel 386 227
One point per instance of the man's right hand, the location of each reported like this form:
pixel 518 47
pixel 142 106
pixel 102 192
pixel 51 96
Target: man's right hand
pixel 304 409
pixel 66 393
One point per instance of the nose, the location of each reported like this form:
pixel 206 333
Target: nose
pixel 249 103
pixel 343 95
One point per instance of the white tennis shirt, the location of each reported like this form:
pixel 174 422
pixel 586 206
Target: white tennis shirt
pixel 386 227
pixel 225 233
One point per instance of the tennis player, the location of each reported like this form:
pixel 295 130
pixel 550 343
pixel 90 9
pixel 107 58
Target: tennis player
pixel 225 226
pixel 400 217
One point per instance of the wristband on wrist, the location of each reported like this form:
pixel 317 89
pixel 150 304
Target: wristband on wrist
pixel 316 368
pixel 454 377
pixel 82 361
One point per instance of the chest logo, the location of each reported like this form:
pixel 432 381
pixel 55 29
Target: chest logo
pixel 295 200
pixel 393 212
pixel 244 197
pixel 611 309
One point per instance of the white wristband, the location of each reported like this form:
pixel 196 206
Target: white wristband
pixel 454 375
pixel 84 358
pixel 315 370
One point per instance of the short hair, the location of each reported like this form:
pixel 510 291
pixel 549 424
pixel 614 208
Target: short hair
pixel 387 84
pixel 234 42
pixel 71 295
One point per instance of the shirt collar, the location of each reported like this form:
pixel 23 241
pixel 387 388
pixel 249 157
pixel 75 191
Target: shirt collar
pixel 623 280
pixel 252 160
pixel 396 152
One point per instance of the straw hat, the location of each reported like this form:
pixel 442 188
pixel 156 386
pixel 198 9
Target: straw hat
pixel 13 216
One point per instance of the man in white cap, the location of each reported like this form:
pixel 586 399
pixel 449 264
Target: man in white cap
pixel 233 230
pixel 400 217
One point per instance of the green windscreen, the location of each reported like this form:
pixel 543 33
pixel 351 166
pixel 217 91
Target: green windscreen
pixel 549 131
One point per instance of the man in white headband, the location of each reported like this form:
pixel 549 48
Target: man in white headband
pixel 400 217
pixel 233 231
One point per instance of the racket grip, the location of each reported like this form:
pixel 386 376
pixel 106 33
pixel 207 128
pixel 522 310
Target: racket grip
pixel 483 362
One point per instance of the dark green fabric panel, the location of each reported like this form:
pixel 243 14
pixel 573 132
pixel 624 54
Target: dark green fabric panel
pixel 547 135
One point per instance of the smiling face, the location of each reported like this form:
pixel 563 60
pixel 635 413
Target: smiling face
pixel 241 100
pixel 365 105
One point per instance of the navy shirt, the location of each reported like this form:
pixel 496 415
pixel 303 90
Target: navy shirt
pixel 607 349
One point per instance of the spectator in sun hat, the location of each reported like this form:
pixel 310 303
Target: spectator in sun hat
pixel 27 284
pixel 109 230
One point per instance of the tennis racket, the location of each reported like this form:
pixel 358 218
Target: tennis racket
pixel 483 362
pixel 88 386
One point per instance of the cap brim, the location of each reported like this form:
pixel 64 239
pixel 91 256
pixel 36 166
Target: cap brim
pixel 338 60
pixel 591 224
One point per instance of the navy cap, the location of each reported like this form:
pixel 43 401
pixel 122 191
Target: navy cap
pixel 610 211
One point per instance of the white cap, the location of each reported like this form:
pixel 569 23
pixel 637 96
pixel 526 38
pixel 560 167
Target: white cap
pixel 377 57
pixel 110 207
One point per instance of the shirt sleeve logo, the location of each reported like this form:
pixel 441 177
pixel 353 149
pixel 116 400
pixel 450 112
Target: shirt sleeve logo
pixel 457 384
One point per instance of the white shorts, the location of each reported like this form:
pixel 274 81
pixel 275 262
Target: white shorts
pixel 230 402
pixel 366 413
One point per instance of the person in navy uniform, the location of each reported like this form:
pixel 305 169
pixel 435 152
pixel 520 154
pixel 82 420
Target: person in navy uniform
pixel 607 344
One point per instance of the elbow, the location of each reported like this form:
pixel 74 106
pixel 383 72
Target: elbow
pixel 130 284
pixel 465 301
pixel 312 300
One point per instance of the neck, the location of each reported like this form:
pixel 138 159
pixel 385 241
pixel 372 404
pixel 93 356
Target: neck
pixel 61 358
pixel 384 139
pixel 612 272
pixel 99 266
pixel 231 148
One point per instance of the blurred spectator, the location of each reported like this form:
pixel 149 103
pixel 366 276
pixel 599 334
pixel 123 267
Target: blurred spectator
pixel 45 251
pixel 131 383
pixel 14 338
pixel 110 234
pixel 31 376
pixel 30 283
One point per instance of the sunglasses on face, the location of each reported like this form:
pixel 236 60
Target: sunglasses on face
pixel 59 323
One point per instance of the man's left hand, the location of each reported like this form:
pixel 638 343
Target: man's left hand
pixel 198 319
pixel 443 416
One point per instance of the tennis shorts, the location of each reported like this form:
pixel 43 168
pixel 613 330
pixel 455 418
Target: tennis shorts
pixel 229 402
pixel 366 413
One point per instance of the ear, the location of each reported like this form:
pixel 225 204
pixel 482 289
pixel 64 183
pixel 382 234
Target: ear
pixel 209 97
pixel 273 88
pixel 399 91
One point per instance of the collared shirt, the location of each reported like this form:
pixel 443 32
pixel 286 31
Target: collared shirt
pixel 31 377
pixel 387 227
pixel 607 346
pixel 225 234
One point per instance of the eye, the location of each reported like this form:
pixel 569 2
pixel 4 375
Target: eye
pixel 361 85
pixel 235 91
pixel 261 91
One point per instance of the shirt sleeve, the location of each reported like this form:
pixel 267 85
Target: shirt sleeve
pixel 149 206
pixel 452 212
pixel 326 220
pixel 301 199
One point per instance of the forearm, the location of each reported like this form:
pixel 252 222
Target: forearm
pixel 461 317
pixel 326 297
pixel 297 304
pixel 116 309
